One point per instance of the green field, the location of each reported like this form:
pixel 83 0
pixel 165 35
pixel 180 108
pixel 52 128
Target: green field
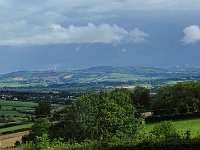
pixel 172 82
pixel 130 87
pixel 113 77
pixel 10 113
pixel 17 112
pixel 1 124
pixel 18 127
pixel 15 108
pixel 15 84
pixel 17 103
pixel 182 126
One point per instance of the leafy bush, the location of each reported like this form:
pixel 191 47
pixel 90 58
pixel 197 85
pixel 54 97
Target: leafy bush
pixel 42 143
pixel 39 128
pixel 164 131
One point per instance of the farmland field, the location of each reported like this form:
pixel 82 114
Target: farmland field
pixel 10 139
pixel 17 103
pixel 10 113
pixel 114 77
pixel 182 126
pixel 16 108
pixel 14 84
pixel 17 112
pixel 172 82
pixel 131 87
pixel 14 128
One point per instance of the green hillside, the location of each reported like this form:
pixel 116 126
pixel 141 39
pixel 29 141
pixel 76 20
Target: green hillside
pixel 95 74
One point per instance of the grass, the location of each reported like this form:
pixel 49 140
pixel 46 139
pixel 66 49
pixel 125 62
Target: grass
pixel 17 103
pixel 14 128
pixel 18 84
pixel 10 113
pixel 172 82
pixel 113 77
pixel 1 124
pixel 130 87
pixel 181 126
pixel 12 108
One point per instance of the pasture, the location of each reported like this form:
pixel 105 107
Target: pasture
pixel 17 115
pixel 16 108
pixel 15 84
pixel 113 77
pixel 16 128
pixel 131 87
pixel 17 103
pixel 181 126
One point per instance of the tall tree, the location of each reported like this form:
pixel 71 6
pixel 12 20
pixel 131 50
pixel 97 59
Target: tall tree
pixel 99 116
pixel 43 109
pixel 141 96
pixel 39 128
pixel 182 95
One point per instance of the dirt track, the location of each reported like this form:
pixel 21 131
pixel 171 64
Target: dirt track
pixel 10 139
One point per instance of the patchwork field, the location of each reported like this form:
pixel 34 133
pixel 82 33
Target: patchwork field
pixel 113 77
pixel 16 108
pixel 17 116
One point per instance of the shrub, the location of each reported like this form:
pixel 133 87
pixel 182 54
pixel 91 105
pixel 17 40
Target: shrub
pixel 42 143
pixel 165 131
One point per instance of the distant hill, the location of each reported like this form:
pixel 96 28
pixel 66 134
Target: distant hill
pixel 95 74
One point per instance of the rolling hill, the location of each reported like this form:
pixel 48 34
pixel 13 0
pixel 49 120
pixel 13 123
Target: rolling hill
pixel 94 75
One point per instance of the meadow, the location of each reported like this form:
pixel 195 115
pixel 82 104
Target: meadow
pixel 113 77
pixel 17 103
pixel 17 115
pixel 16 108
pixel 181 127
pixel 16 128
pixel 14 84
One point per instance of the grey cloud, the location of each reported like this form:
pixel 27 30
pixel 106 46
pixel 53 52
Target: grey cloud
pixel 27 8
pixel 119 6
pixel 23 22
pixel 56 34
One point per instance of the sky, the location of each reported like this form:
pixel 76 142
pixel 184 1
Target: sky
pixel 66 34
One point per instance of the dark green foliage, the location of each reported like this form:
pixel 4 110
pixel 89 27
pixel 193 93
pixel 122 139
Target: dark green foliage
pixel 17 143
pixel 141 96
pixel 187 134
pixel 39 128
pixel 189 145
pixel 94 145
pixel 184 95
pixel 43 109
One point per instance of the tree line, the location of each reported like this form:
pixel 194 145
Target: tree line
pixel 111 116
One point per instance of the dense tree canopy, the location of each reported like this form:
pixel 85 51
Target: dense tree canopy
pixel 39 128
pixel 43 109
pixel 180 95
pixel 141 96
pixel 99 116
